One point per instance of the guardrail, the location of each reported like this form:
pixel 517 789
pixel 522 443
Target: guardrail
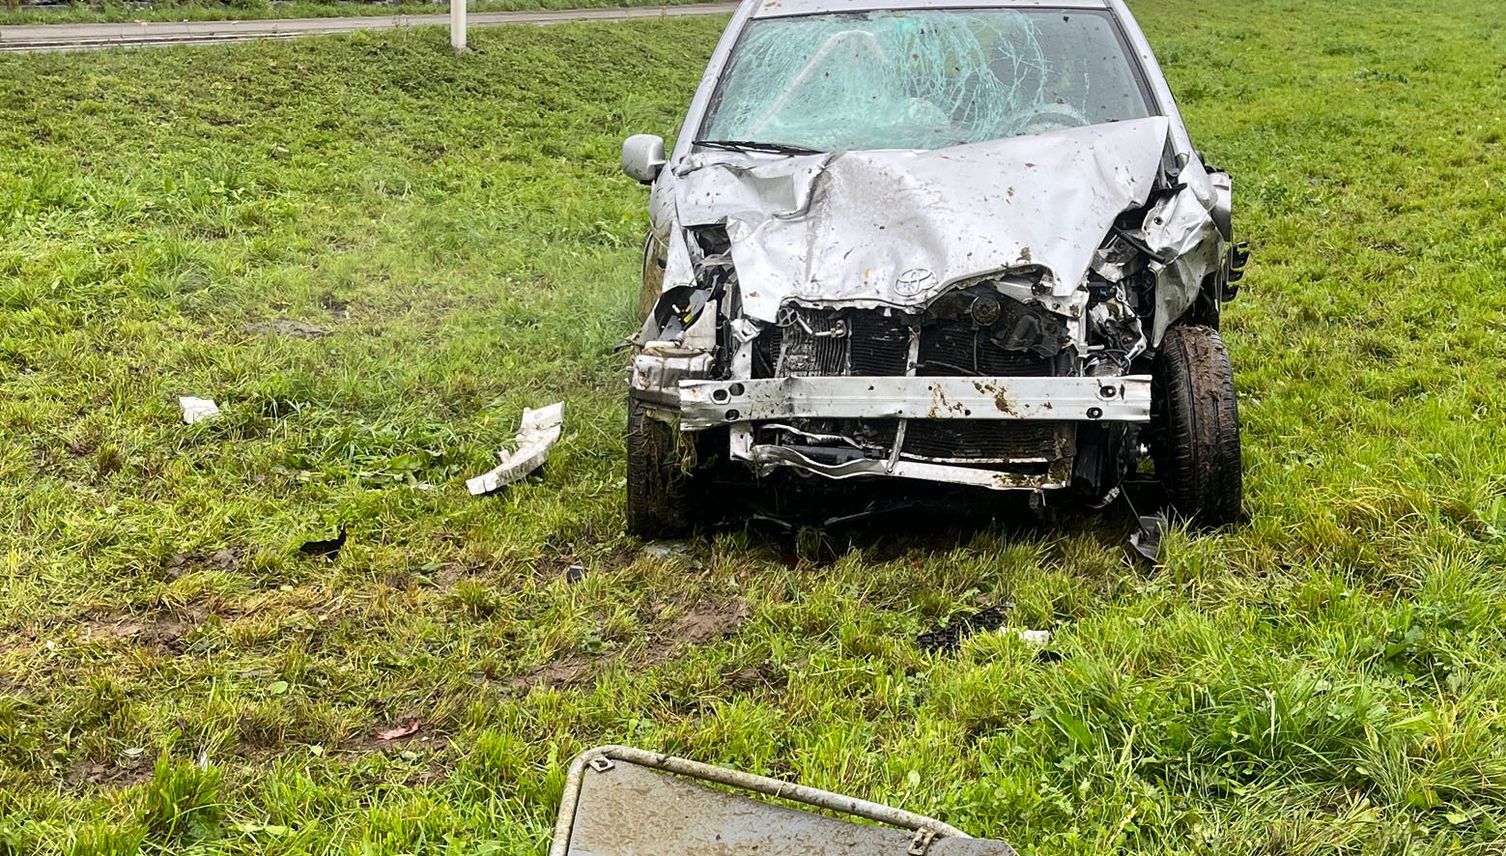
pixel 70 37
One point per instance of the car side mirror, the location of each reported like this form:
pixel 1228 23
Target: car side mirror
pixel 643 157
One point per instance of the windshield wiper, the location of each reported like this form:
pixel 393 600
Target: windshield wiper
pixel 756 146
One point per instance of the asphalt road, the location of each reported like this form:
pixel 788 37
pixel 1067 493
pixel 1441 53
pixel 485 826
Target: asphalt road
pixel 73 37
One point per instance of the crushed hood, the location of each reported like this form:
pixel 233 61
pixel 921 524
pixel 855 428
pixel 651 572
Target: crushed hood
pixel 895 228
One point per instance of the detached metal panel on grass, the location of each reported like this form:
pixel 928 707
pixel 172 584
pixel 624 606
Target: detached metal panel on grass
pixel 617 807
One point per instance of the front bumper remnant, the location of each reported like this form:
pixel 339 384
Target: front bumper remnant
pixel 1057 476
pixel 709 403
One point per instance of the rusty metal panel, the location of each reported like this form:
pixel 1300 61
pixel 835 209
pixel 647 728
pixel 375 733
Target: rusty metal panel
pixel 630 810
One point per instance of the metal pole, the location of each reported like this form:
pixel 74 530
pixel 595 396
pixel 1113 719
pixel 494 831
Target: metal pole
pixel 457 25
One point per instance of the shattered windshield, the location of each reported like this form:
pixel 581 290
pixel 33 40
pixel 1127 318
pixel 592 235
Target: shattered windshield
pixel 922 79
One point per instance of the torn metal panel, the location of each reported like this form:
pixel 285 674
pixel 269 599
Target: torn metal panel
pixel 660 365
pixel 657 373
pixel 897 228
pixel 629 810
pixel 624 801
pixel 660 372
pixel 1222 209
pixel 538 431
pixel 1117 259
pixel 705 403
pixel 679 269
pixel 1181 232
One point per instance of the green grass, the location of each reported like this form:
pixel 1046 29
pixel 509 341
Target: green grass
pixel 242 10
pixel 176 677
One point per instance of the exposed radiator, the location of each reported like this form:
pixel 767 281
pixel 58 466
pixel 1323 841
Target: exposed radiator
pixel 958 348
pixel 814 343
pixel 976 441
pixel 817 343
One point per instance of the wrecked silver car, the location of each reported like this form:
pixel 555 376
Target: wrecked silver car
pixel 948 241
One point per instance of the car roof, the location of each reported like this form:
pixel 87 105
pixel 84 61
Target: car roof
pixel 787 8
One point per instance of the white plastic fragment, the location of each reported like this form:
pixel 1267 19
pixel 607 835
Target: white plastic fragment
pixel 197 409
pixel 666 549
pixel 1035 638
pixel 537 433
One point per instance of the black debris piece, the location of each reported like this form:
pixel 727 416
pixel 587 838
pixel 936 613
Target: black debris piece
pixel 575 573
pixel 945 640
pixel 324 549
pixel 1145 541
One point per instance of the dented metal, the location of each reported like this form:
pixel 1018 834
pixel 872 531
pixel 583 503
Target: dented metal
pixel 896 229
pixel 538 431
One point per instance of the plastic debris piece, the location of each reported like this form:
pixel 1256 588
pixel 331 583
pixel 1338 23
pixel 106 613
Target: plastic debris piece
pixel 327 549
pixel 1145 541
pixel 538 431
pixel 666 549
pixel 945 640
pixel 948 639
pixel 1035 638
pixel 197 409
pixel 406 729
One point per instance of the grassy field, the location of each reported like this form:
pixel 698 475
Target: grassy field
pixel 240 10
pixel 176 677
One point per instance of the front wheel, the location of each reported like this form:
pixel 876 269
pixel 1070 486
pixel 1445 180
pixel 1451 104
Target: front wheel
pixel 1196 427
pixel 660 478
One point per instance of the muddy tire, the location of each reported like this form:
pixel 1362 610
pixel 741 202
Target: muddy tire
pixel 660 490
pixel 1196 427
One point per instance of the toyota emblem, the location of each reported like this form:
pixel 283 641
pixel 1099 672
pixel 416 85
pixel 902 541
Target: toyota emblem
pixel 914 281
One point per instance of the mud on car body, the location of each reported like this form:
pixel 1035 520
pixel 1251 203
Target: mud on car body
pixel 949 241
